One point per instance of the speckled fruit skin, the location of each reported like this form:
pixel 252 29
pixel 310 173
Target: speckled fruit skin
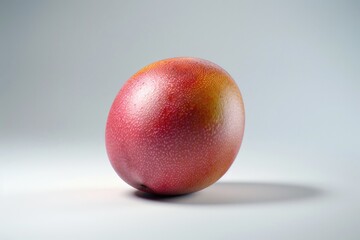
pixel 175 127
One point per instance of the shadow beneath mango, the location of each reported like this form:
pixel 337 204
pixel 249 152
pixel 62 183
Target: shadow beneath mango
pixel 230 193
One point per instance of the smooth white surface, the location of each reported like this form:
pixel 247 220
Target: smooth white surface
pixel 77 195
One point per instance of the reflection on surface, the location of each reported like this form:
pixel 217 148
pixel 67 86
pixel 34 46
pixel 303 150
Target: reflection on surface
pixel 223 193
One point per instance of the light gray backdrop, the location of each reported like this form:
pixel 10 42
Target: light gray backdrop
pixel 296 62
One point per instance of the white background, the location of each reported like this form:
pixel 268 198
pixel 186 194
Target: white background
pixel 296 63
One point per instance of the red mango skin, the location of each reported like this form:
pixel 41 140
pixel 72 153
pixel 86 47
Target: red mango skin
pixel 175 127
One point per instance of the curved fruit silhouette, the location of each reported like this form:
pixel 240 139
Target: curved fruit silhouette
pixel 175 127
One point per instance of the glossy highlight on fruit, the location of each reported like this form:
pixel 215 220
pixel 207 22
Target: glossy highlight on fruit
pixel 175 127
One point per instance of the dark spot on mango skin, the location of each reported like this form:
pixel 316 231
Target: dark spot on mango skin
pixel 143 187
